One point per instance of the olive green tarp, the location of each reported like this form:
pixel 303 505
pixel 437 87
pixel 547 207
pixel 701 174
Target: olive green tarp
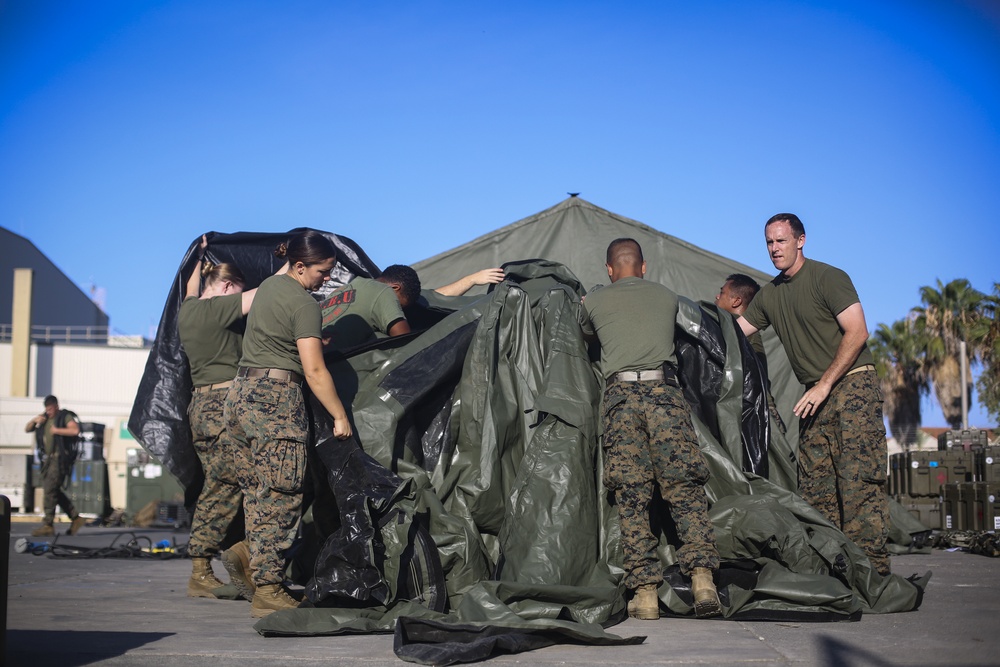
pixel 472 516
pixel 487 424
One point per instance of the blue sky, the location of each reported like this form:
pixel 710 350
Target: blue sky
pixel 128 128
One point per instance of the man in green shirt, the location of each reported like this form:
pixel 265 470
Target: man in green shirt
pixel 56 432
pixel 648 434
pixel 363 308
pixel 817 314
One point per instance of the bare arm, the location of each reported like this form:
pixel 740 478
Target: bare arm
pixel 747 328
pixel 321 383
pixel 193 287
pixel 852 322
pixel 463 285
pixel 399 328
pixel 35 422
pixel 70 429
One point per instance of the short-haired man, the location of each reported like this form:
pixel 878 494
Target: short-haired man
pixel 55 432
pixel 817 314
pixel 648 435
pixel 734 296
pixel 353 313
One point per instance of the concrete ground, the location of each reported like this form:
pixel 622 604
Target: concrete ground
pixel 109 611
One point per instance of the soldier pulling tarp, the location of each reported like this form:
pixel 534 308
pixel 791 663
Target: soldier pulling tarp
pixel 468 516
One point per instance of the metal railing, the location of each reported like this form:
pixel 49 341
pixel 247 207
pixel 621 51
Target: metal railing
pixel 93 335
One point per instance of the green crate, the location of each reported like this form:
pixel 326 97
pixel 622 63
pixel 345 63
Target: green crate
pixel 982 508
pixel 89 488
pixel 988 464
pixel 148 481
pixel 953 510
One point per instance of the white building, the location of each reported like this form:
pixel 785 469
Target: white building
pixel 55 340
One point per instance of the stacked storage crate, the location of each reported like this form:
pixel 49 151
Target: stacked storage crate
pixel 947 488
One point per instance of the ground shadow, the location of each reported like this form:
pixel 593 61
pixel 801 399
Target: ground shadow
pixel 67 648
pixel 836 653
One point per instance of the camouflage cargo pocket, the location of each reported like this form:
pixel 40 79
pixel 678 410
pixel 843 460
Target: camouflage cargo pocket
pixel 614 474
pixel 284 465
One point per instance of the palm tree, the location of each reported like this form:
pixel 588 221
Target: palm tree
pixel 951 314
pixel 902 370
pixel 989 380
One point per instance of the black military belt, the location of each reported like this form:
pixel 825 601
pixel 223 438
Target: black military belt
pixel 273 373
pixel 210 387
pixel 639 376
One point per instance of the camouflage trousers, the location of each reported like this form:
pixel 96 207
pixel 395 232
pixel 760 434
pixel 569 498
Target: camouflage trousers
pixel 842 460
pixel 649 440
pixel 52 487
pixel 266 419
pixel 221 497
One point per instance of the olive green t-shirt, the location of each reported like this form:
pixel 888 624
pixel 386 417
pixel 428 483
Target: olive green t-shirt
pixel 211 332
pixel 282 313
pixel 634 320
pixel 48 438
pixel 803 310
pixel 355 312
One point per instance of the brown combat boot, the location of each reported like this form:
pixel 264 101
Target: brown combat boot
pixel 203 581
pixel 645 604
pixel 45 530
pixel 77 524
pixel 236 560
pixel 270 598
pixel 706 598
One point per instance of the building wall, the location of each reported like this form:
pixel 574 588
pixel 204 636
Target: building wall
pixel 96 382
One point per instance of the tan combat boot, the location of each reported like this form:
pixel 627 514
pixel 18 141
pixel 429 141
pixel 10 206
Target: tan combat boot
pixel 706 598
pixel 645 604
pixel 236 560
pixel 203 581
pixel 45 530
pixel 77 524
pixel 270 598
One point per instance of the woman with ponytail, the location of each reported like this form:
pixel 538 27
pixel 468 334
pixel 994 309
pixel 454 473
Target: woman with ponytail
pixel 266 413
pixel 210 326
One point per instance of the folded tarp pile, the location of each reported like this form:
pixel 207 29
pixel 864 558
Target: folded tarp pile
pixel 468 513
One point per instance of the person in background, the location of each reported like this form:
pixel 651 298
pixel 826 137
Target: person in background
pixel 265 410
pixel 56 433
pixel 817 314
pixel 210 326
pixel 649 438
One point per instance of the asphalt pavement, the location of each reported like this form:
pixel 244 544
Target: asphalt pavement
pixel 70 612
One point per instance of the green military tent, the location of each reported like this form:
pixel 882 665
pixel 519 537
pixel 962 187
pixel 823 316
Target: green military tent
pixel 576 233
